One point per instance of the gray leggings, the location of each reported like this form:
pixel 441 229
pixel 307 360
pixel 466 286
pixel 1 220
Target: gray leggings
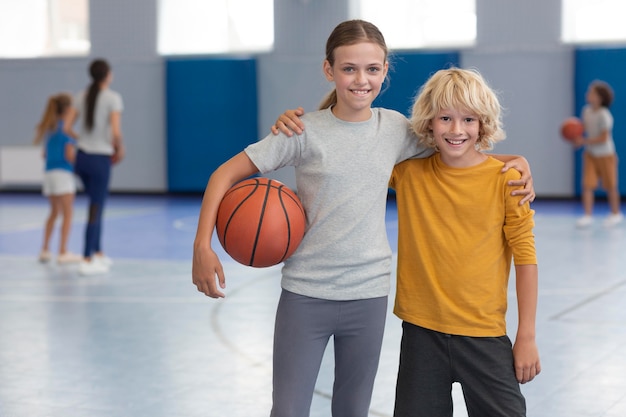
pixel 303 327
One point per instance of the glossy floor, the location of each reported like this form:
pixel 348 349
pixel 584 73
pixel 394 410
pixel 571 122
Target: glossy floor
pixel 140 341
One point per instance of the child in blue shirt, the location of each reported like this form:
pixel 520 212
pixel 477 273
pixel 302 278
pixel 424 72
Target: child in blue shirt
pixel 58 184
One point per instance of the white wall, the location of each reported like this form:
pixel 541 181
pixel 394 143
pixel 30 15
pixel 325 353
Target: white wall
pixel 520 54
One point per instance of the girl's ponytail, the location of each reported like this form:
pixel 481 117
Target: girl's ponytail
pixel 329 101
pixel 98 70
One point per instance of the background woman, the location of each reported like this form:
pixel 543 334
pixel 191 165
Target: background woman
pixel 100 145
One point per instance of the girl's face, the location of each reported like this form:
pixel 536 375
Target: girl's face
pixel 358 74
pixel 456 132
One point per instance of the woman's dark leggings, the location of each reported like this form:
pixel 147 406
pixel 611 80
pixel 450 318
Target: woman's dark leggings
pixel 94 171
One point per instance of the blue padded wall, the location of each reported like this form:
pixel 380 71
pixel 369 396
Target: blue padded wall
pixel 211 111
pixel 607 64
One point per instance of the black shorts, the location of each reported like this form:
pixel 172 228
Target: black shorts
pixel 431 361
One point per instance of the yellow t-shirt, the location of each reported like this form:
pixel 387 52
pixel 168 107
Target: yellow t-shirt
pixel 458 230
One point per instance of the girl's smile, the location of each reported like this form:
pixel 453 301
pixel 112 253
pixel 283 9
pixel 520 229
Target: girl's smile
pixel 358 72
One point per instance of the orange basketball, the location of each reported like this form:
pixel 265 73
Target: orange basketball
pixel 571 128
pixel 260 222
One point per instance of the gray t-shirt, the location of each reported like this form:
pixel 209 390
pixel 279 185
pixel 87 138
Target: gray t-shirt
pixel 596 122
pixel 100 139
pixel 342 172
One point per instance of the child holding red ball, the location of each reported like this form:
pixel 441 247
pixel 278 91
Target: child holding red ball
pixel 599 156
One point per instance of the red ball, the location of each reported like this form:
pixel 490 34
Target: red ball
pixel 571 128
pixel 260 222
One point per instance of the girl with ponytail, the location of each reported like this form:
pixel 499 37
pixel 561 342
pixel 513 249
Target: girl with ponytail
pixel 100 145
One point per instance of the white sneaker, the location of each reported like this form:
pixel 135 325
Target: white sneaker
pixel 613 219
pixel 44 256
pixel 69 258
pixel 584 221
pixel 103 259
pixel 92 268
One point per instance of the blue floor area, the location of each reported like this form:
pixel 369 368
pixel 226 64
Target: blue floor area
pixel 139 227
pixel 141 341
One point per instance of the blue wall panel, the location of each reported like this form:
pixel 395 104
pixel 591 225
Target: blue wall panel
pixel 211 108
pixel 607 64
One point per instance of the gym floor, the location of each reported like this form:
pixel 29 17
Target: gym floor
pixel 140 341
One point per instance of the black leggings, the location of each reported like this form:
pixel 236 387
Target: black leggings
pixel 94 171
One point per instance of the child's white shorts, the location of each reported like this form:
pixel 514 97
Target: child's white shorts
pixel 58 182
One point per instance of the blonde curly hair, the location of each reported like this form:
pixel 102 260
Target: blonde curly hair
pixel 456 88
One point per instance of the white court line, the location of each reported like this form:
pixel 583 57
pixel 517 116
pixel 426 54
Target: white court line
pixel 79 217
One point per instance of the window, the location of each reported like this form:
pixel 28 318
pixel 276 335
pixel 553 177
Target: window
pixel 39 28
pixel 413 24
pixel 216 26
pixel 593 21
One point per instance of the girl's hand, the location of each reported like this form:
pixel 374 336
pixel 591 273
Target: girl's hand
pixel 207 272
pixel 289 122
pixel 118 155
pixel 522 165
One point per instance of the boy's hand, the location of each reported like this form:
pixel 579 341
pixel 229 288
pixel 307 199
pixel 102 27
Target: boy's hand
pixel 578 142
pixel 526 359
pixel 289 122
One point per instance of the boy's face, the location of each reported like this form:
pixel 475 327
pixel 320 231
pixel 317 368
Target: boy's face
pixel 358 73
pixel 456 132
pixel 593 98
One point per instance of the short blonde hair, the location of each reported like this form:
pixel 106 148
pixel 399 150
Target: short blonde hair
pixel 456 88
